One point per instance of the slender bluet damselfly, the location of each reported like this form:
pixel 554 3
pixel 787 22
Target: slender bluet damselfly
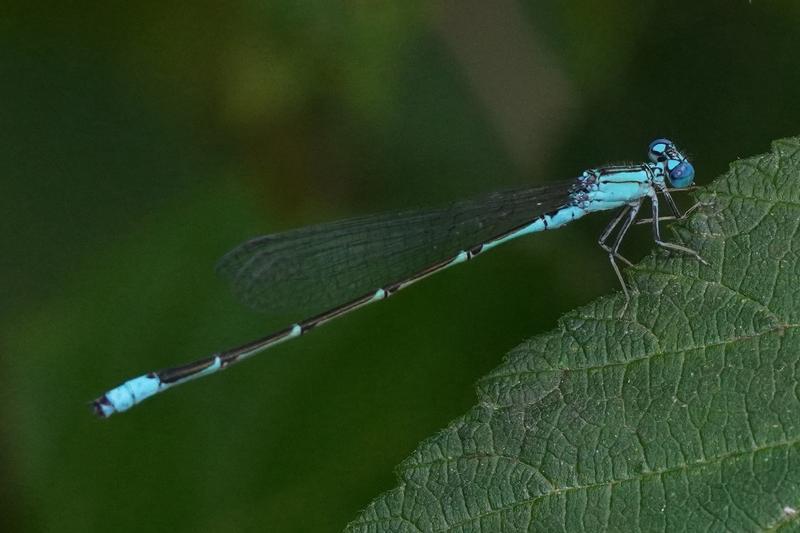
pixel 334 268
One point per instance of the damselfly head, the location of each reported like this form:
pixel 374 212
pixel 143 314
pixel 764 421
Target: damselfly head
pixel 679 170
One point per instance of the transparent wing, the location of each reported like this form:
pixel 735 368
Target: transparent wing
pixel 315 268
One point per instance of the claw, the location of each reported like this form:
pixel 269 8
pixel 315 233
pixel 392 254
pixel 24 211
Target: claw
pixel 623 260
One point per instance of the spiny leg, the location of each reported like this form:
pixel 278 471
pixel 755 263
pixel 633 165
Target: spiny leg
pixel 671 203
pixel 669 245
pixel 676 212
pixel 610 229
pixel 685 215
pixel 629 211
pixel 684 189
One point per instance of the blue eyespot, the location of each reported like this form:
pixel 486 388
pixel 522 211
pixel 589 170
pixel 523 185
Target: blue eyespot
pixel 658 149
pixel 682 175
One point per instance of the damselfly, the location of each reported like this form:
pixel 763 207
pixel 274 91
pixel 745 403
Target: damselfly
pixel 334 268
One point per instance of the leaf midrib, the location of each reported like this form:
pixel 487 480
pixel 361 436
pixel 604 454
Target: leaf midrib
pixel 726 342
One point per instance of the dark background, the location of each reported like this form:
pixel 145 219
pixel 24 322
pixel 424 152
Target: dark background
pixel 140 141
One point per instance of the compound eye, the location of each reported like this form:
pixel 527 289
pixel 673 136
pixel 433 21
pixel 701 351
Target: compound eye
pixel 682 175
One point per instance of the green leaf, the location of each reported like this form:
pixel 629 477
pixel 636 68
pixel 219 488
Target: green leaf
pixel 683 414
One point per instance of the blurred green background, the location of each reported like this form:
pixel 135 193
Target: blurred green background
pixel 140 141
